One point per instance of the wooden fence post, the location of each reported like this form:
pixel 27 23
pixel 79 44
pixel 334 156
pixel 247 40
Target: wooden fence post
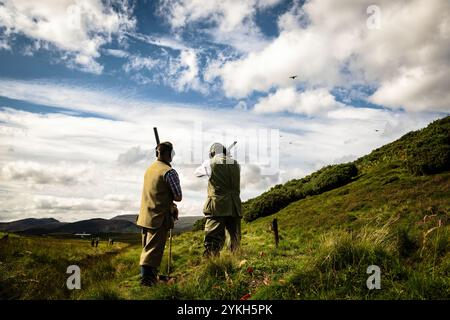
pixel 275 231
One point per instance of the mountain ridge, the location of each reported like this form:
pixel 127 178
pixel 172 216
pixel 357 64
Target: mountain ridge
pixel 117 224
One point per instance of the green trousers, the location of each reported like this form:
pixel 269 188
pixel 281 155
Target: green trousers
pixel 153 243
pixel 215 234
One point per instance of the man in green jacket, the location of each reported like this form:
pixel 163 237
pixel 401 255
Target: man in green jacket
pixel 158 212
pixel 223 205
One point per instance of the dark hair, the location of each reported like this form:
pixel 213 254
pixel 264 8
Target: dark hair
pixel 164 148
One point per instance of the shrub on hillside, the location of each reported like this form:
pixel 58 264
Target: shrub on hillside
pixel 430 152
pixel 199 225
pixel 280 196
pixel 423 151
pixel 334 177
pixel 267 204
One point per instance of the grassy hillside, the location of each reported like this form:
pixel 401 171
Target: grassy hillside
pixel 35 267
pixel 425 151
pixel 394 213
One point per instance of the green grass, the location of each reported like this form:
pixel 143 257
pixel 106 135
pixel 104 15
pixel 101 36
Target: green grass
pixel 35 267
pixel 327 243
pixel 388 215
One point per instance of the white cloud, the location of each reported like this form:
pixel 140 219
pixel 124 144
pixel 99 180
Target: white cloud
pixel 296 52
pixel 416 90
pixel 166 42
pixel 55 147
pixel 241 105
pixel 227 15
pixel 134 155
pixel 116 53
pixel 4 45
pixel 34 173
pixel 292 19
pixel 138 63
pixel 231 22
pixel 186 73
pixel 252 177
pixel 181 73
pixel 68 96
pixel 189 182
pixel 310 102
pixel 78 28
pixel 328 44
pixel 64 207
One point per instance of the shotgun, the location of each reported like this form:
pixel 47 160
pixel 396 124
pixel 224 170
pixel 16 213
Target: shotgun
pixel 155 131
pixel 231 146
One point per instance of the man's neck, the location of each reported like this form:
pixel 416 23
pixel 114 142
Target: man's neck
pixel 166 162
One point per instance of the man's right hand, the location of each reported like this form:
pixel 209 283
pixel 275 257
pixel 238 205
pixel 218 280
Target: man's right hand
pixel 174 211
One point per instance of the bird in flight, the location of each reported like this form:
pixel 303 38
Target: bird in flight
pixel 293 77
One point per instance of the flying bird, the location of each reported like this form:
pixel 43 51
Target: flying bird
pixel 293 77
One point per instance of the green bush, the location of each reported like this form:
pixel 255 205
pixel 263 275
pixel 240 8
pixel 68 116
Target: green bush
pixel 334 177
pixel 422 152
pixel 199 225
pixel 429 153
pixel 280 196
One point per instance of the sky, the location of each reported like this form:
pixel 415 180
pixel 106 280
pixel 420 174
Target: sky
pixel 83 83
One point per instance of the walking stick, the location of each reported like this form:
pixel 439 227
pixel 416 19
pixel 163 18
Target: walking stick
pixel 170 253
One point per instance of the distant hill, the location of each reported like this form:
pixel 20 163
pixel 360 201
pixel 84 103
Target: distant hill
pixel 184 223
pixel 127 217
pixel 30 223
pixel 98 226
pixel 119 224
pixel 93 226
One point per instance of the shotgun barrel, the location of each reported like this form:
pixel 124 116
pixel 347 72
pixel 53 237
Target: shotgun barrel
pixel 231 146
pixel 155 131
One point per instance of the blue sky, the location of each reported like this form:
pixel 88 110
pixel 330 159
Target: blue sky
pixel 152 83
pixel 82 83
